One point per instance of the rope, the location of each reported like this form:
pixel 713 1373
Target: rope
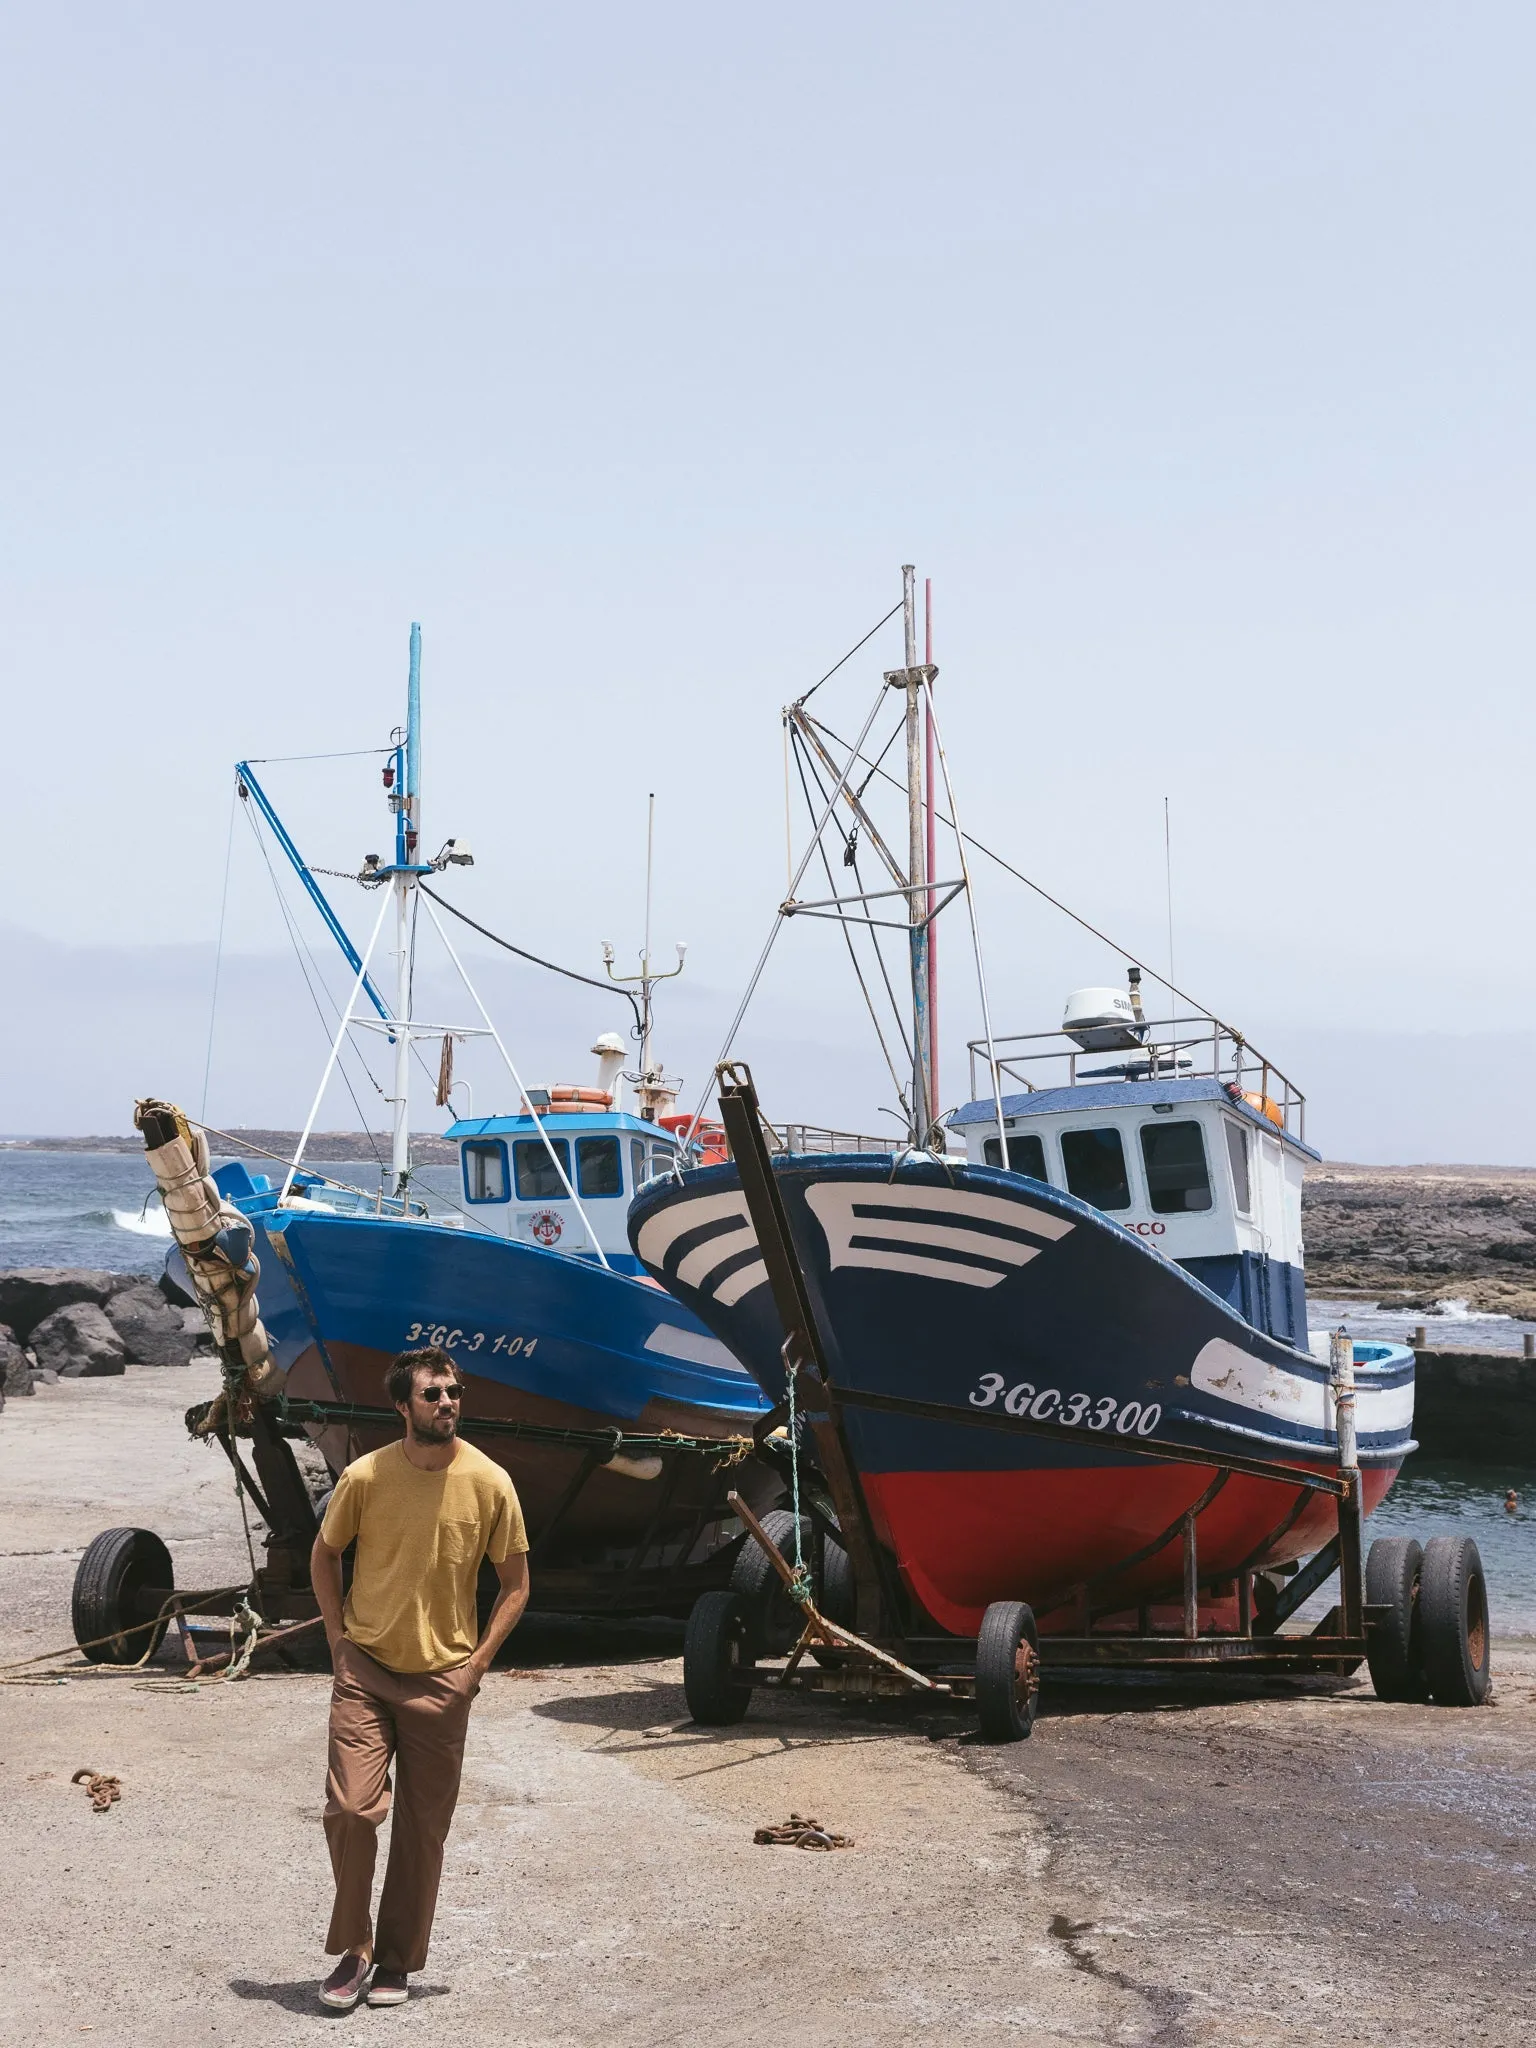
pixel 801 1831
pixel 178 1603
pixel 105 1791
pixel 801 1590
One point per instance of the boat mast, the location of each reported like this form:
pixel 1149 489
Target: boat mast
pixel 406 870
pixel 911 679
pixel 651 1085
pixel 931 848
pixel 645 957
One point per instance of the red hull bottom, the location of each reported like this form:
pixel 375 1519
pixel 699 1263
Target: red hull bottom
pixel 964 1539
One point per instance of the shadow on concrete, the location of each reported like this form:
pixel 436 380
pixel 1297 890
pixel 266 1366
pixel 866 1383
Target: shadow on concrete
pixel 303 1995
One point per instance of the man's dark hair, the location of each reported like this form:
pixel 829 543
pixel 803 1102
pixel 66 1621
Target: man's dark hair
pixel 400 1380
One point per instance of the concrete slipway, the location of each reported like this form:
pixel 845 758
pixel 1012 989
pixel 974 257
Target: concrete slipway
pixel 1254 1867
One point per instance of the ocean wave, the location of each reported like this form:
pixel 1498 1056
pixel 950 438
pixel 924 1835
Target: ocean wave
pixel 150 1222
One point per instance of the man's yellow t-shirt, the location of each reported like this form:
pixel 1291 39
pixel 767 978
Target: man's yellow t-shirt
pixel 420 1538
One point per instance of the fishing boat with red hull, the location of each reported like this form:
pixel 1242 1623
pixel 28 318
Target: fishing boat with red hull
pixel 954 1284
pixel 1050 1353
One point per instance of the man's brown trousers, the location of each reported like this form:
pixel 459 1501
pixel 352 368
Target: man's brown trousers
pixel 418 1722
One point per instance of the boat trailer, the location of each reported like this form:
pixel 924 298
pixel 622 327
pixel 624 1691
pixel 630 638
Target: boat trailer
pixel 125 1596
pixel 1417 1618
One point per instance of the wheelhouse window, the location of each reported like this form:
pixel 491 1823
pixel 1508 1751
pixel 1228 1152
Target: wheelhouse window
pixel 647 1158
pixel 534 1170
pixel 1025 1155
pixel 1178 1180
pixel 485 1171
pixel 598 1171
pixel 1237 1154
pixel 1095 1164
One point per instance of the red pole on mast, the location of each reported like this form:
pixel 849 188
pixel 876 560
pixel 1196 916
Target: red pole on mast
pixel 933 930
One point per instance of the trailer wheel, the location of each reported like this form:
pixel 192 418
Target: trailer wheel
pixel 837 1602
pixel 774 1619
pixel 117 1567
pixel 1453 1616
pixel 1394 1647
pixel 715 1648
pixel 1007 1671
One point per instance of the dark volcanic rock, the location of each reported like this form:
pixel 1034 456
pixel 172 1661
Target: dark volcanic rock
pixel 78 1342
pixel 1424 1232
pixel 174 1292
pixel 15 1366
pixel 33 1292
pixel 153 1333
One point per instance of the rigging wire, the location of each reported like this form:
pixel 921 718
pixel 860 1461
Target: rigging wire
pixel 218 951
pixel 801 765
pixel 852 860
pixel 1136 959
pixel 300 950
pixel 348 754
pixel 832 671
pixel 608 987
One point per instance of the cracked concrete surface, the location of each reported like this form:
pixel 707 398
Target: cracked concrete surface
pixel 1245 1867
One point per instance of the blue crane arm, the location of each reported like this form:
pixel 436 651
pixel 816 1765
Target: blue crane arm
pixel 333 923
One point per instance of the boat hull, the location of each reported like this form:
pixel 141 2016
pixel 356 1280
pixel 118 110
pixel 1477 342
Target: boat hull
pixel 538 1338
pixel 995 1296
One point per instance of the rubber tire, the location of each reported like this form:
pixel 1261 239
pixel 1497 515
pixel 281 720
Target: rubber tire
pixel 1394 1648
pixel 1005 1627
pixel 837 1601
pixel 1453 1620
pixel 774 1618
pixel 105 1598
pixel 716 1643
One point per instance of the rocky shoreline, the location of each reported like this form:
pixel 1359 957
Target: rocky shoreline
pixel 1411 1236
pixel 65 1323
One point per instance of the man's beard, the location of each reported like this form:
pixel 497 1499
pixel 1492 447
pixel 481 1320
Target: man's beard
pixel 435 1432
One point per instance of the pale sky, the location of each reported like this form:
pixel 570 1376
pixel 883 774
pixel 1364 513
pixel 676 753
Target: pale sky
pixel 1187 349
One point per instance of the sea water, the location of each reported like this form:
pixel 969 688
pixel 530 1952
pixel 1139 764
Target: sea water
pixel 101 1209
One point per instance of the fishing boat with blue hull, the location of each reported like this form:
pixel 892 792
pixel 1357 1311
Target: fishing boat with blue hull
pixel 524 1275
pixel 1097 1258
pixel 542 1332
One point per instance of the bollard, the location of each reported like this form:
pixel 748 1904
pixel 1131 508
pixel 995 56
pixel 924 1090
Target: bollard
pixel 1528 1345
pixel 1421 1337
pixel 1341 1358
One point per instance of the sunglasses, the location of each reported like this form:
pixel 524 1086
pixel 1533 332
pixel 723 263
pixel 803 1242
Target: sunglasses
pixel 433 1396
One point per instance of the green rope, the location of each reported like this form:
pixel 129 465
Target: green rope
pixel 801 1590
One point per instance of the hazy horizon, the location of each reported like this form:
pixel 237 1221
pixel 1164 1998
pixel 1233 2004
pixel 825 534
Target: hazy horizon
pixel 1188 353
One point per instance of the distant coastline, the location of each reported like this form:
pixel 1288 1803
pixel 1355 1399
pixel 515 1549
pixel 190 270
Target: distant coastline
pixel 332 1146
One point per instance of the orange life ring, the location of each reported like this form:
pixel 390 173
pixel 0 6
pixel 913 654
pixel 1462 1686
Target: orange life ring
pixel 599 1098
pixel 710 1138
pixel 1266 1107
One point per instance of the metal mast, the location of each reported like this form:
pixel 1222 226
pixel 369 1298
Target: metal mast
pixel 406 869
pixel 911 679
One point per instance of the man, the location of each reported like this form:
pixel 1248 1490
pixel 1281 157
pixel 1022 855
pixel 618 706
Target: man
pixel 408 1660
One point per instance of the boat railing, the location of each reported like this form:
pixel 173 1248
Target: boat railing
pixel 817 1139
pixel 1169 1048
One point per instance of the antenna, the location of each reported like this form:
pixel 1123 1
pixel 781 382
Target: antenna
pixel 932 900
pixel 1168 884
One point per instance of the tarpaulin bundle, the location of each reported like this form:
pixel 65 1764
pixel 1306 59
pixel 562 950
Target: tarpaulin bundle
pixel 216 1243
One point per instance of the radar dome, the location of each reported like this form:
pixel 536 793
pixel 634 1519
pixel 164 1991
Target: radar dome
pixel 1102 1020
